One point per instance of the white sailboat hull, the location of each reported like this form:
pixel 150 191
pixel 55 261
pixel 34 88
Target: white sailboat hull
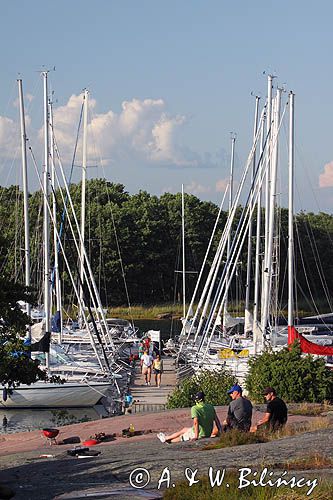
pixel 47 395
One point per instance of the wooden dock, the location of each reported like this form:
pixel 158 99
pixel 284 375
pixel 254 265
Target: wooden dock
pixel 152 398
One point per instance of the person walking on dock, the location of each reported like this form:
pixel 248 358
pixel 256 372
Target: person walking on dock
pixel 146 365
pixel 158 370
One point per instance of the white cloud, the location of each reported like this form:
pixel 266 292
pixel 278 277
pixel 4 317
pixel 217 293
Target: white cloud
pixel 221 185
pixel 196 188
pixel 326 178
pixel 9 138
pixel 65 122
pixel 142 132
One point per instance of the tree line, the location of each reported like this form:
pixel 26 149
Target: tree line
pixel 134 245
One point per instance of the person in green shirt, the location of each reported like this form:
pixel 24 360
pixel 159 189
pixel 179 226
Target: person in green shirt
pixel 205 423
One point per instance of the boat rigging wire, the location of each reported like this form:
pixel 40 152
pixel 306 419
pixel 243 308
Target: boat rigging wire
pixel 68 267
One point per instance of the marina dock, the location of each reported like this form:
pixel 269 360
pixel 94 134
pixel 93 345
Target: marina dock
pixel 152 398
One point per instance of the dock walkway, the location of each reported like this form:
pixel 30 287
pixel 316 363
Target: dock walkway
pixel 152 398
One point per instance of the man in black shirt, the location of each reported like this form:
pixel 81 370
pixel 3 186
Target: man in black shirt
pixel 276 412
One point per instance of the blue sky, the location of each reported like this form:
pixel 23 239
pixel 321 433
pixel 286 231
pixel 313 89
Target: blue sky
pixel 185 71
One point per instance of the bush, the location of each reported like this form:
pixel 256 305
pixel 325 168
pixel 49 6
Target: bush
pixel 294 376
pixel 214 384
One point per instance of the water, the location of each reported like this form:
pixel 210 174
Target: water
pixel 28 420
pixel 168 327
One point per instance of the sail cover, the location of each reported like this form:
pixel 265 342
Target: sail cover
pixel 306 345
pixel 43 345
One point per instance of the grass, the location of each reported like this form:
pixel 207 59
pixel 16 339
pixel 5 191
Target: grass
pixel 146 312
pixel 311 409
pixel 140 311
pixel 313 461
pixel 151 311
pixel 203 490
pixel 236 438
pixel 300 427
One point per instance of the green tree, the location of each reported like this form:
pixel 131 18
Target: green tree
pixel 137 238
pixel 294 376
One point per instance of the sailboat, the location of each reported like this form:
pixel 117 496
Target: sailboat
pixel 78 390
pixel 200 355
pixel 73 394
pixel 306 345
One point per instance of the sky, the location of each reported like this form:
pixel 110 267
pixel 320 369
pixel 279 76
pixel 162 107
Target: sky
pixel 168 82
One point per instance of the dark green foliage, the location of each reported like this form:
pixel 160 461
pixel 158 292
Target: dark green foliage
pixel 16 366
pixel 18 370
pixel 294 376
pixel 214 384
pixel 147 230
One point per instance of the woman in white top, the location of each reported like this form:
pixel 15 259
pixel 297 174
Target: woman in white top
pixel 146 365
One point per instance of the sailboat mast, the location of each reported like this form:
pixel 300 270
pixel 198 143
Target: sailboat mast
pixel 291 213
pixel 183 250
pixel 249 242
pixel 269 262
pixel 231 184
pixel 46 174
pixel 257 337
pixel 268 170
pixel 25 196
pixel 83 191
pixel 56 276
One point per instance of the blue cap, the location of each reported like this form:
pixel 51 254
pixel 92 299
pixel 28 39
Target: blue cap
pixel 236 388
pixel 200 396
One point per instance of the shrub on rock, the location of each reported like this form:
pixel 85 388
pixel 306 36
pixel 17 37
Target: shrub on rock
pixel 214 384
pixel 295 377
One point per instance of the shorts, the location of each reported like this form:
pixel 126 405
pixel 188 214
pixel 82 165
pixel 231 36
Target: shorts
pixel 156 371
pixel 146 369
pixel 189 434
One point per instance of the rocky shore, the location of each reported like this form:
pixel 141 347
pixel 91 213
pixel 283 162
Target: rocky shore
pixel 37 470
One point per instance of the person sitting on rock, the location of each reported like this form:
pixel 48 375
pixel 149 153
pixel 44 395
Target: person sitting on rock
pixel 205 423
pixel 276 412
pixel 239 412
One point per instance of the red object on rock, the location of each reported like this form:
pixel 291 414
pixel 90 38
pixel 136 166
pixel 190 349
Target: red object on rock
pixel 90 442
pixel 51 433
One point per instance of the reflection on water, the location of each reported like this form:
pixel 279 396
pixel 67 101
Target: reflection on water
pixel 168 327
pixel 29 420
